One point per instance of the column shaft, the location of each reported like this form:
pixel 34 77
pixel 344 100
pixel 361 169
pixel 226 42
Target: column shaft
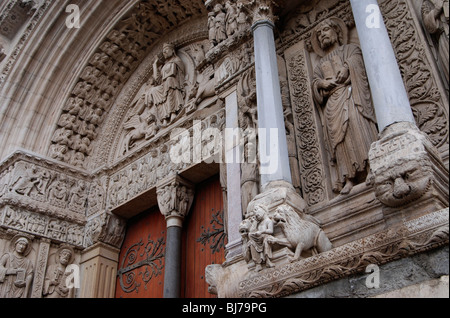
pixel 390 98
pixel 273 151
pixel 172 271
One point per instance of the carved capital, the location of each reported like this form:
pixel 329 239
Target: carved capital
pixel 262 10
pixel 175 197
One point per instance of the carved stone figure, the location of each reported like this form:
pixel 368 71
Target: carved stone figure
pixel 341 88
pixel 404 165
pixel 141 124
pixel 28 178
pixel 217 26
pixel 55 285
pixel 231 19
pixel 302 232
pixel 404 182
pixel 242 18
pixel 169 96
pixel 175 197
pixel 435 15
pixel 257 232
pixel 16 270
pixel 249 168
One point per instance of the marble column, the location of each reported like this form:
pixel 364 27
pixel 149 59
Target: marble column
pixel 390 98
pixel 406 171
pixel 273 150
pixel 175 197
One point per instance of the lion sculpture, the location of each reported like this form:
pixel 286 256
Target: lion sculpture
pixel 302 232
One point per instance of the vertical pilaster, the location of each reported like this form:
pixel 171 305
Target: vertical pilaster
pixel 41 265
pixel 99 265
pixel 232 156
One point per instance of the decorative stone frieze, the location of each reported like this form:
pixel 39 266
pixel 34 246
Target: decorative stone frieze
pixel 408 238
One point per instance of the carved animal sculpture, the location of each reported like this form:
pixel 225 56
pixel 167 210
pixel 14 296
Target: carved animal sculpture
pixel 301 234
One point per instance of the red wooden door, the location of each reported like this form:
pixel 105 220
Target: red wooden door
pixel 141 260
pixel 203 238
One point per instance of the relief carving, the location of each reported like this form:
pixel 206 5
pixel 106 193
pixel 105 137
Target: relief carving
pixel 435 16
pixel 175 197
pixel 46 186
pixel 427 101
pixel 55 283
pixel 107 72
pixel 249 124
pixel 405 166
pixel 16 270
pixel 257 233
pixel 341 88
pixel 227 21
pixel 302 232
pixel 298 232
pixel 168 97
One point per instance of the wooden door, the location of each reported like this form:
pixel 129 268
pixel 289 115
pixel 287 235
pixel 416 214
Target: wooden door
pixel 203 238
pixel 141 260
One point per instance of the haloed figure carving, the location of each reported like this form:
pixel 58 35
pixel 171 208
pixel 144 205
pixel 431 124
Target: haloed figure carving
pixel 341 88
pixel 56 278
pixel 16 270
pixel 169 96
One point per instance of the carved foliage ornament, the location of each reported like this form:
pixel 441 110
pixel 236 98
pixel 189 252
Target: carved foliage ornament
pixel 426 99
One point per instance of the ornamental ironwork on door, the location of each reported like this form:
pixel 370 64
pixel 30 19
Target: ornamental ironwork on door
pixel 133 273
pixel 214 236
pixel 141 260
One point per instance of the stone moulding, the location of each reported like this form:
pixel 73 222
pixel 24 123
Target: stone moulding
pixel 412 237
